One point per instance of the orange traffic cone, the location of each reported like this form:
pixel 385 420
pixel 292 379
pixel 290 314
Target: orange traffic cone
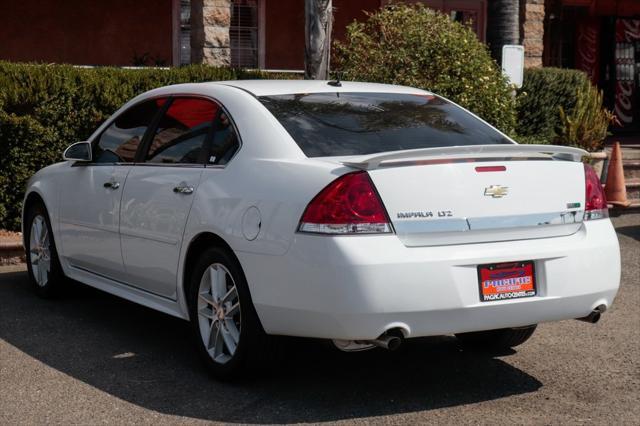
pixel 615 189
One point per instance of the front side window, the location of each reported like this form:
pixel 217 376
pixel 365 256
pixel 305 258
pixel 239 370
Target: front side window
pixel 182 132
pixel 335 124
pixel 120 141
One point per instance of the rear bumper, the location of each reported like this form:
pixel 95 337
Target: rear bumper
pixel 357 287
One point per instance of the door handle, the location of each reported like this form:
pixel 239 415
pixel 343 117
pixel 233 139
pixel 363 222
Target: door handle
pixel 112 184
pixel 183 188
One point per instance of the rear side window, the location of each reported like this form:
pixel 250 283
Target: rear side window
pixel 120 141
pixel 335 124
pixel 225 141
pixel 182 132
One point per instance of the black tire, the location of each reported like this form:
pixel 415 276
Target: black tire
pixel 501 339
pixel 55 278
pixel 255 348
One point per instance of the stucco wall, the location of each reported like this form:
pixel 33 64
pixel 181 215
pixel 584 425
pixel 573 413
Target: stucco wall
pixel 284 30
pixel 86 32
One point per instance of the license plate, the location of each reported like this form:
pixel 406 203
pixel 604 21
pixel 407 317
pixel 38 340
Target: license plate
pixel 511 280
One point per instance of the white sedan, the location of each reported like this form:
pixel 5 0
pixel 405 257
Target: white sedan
pixel 360 213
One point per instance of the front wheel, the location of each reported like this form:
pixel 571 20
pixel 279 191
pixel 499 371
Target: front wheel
pixel 45 272
pixel 226 329
pixel 501 339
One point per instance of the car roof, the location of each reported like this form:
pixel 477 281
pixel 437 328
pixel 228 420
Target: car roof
pixel 287 87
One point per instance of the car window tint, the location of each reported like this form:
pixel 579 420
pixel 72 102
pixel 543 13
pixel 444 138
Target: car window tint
pixel 334 124
pixel 182 131
pixel 225 141
pixel 120 141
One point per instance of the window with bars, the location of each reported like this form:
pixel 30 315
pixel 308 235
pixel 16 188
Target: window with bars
pixel 244 33
pixel 185 32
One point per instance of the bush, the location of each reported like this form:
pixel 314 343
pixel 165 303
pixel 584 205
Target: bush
pixel 587 124
pixel 535 140
pixel 543 92
pixel 416 46
pixel 44 108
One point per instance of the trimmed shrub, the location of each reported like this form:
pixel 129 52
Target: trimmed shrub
pixel 416 46
pixel 543 93
pixel 45 108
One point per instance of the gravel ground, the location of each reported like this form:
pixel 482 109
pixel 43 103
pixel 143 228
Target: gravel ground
pixel 90 358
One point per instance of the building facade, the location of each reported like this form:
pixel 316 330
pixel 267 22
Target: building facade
pixel 600 37
pixel 266 34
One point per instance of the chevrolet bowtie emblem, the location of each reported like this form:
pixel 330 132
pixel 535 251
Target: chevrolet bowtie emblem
pixel 496 191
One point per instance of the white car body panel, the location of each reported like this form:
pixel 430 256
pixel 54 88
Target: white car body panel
pixel 153 218
pixel 454 193
pixel 88 234
pixel 356 287
pixel 339 287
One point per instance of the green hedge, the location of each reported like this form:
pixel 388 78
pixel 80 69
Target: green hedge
pixel 543 92
pixel 44 108
pixel 416 46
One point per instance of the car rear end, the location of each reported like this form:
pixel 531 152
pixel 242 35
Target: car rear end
pixel 459 230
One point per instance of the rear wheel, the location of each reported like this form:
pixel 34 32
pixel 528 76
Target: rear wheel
pixel 226 329
pixel 503 338
pixel 45 272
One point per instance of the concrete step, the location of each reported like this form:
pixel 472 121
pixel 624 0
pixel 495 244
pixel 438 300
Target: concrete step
pixel 628 153
pixel 631 169
pixel 633 188
pixel 633 208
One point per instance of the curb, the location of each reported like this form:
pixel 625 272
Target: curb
pixel 12 249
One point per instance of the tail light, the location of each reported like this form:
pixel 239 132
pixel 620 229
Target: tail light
pixel 595 200
pixel 348 205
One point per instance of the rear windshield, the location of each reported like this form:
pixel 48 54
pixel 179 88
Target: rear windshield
pixel 333 124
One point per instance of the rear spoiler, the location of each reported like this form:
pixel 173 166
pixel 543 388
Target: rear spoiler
pixel 470 152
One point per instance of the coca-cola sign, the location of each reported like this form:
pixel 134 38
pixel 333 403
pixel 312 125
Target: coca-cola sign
pixel 587 52
pixel 627 34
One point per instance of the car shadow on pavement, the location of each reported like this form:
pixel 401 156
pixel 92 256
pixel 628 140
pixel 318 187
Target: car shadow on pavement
pixel 146 358
pixel 630 231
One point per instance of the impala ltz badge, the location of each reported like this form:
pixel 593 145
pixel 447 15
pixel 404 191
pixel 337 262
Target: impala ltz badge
pixel 424 214
pixel 496 191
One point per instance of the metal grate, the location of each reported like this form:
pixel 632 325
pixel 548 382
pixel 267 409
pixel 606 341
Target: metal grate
pixel 185 32
pixel 244 33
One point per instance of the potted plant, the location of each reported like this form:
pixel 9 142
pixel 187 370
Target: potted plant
pixel 586 125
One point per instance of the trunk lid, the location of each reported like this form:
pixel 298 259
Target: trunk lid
pixel 473 195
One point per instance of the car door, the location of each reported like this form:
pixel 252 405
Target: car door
pixel 90 198
pixel 159 193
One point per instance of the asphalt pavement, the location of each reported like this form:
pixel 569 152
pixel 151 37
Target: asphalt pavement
pixel 91 358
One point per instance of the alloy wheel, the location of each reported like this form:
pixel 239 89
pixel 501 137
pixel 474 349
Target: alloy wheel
pixel 219 316
pixel 40 250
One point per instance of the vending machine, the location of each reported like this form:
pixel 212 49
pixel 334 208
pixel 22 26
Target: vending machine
pixel 627 74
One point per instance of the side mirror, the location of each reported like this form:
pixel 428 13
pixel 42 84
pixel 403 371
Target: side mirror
pixel 79 151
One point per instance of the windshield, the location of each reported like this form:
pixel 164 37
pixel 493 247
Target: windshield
pixel 336 124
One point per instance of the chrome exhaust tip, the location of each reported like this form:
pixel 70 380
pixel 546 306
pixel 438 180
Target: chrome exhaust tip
pixel 390 342
pixel 594 316
pixel 386 342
